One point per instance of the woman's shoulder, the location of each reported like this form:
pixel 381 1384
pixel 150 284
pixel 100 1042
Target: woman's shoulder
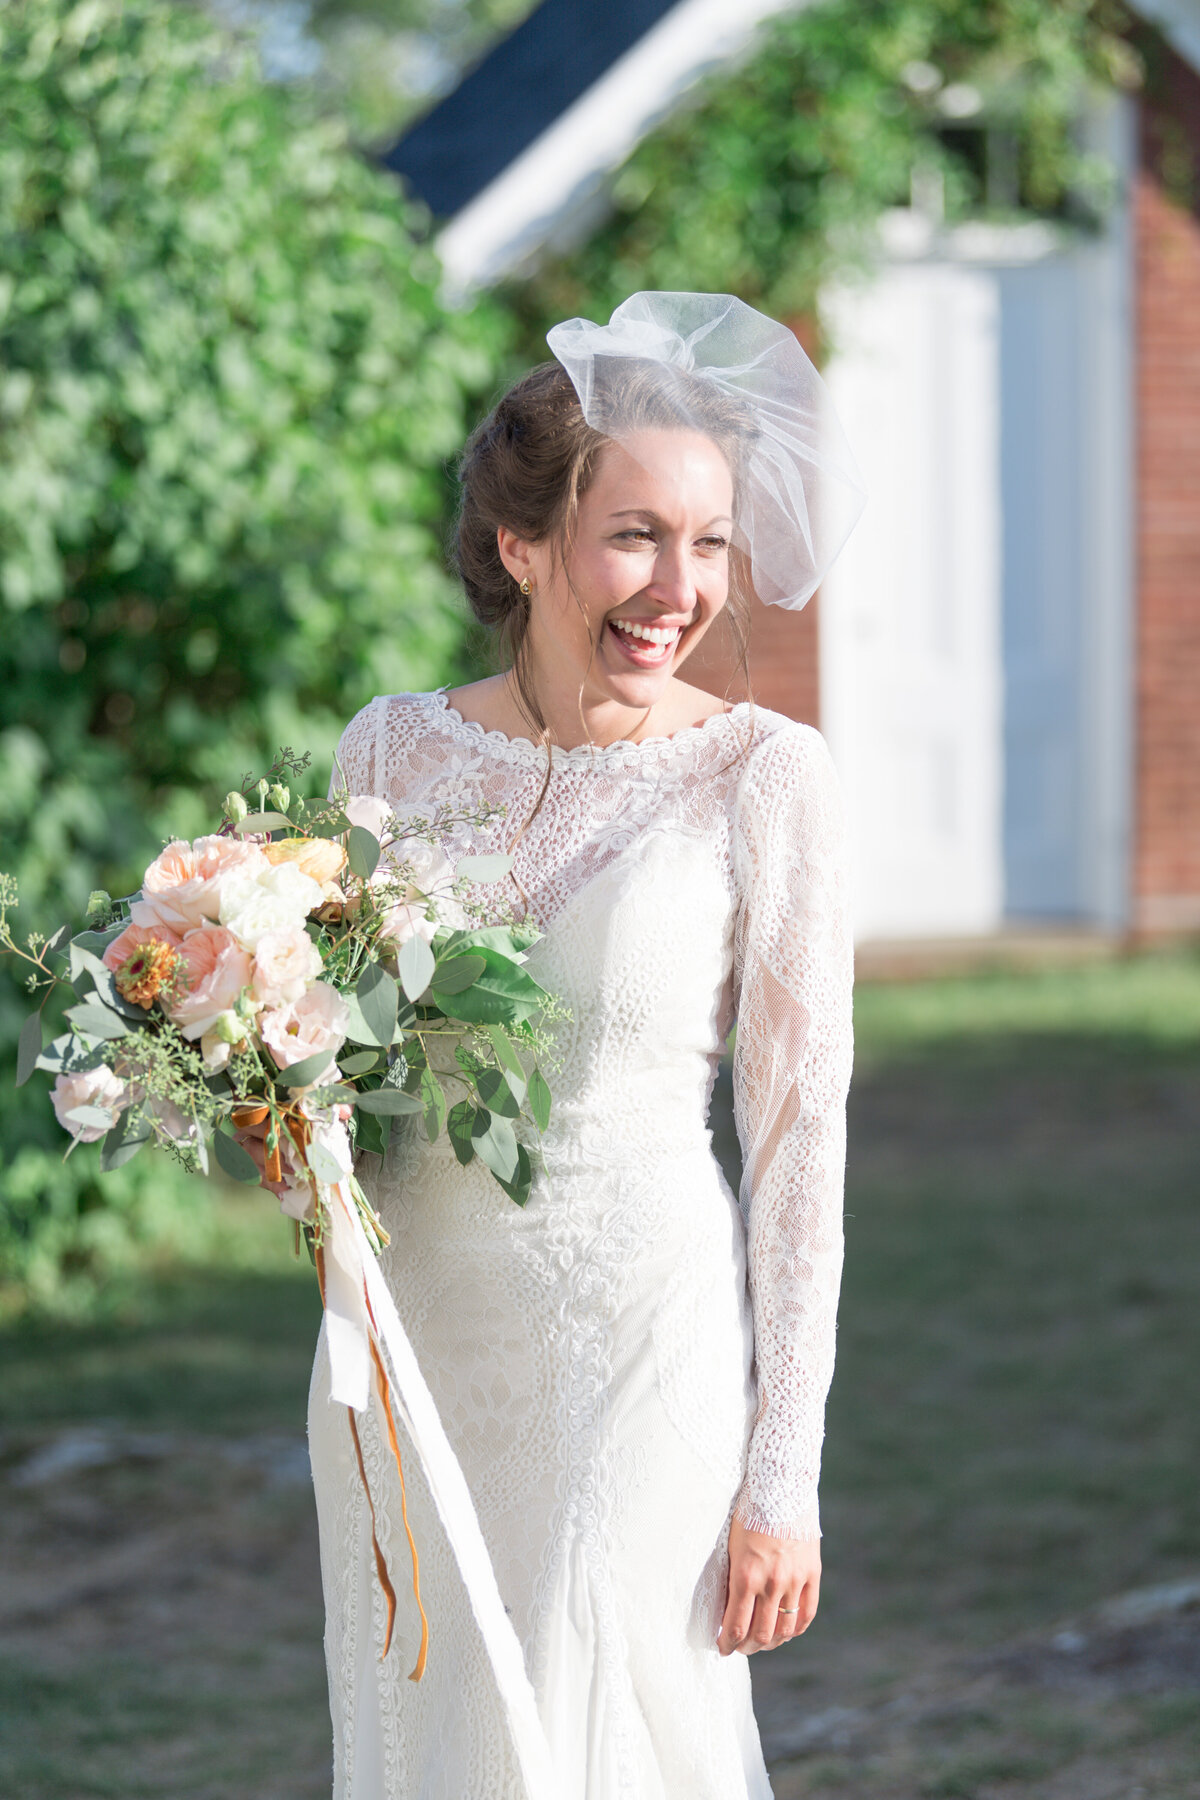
pixel 779 742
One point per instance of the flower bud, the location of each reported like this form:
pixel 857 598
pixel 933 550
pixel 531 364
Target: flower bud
pixel 99 903
pixel 280 797
pixel 227 1028
pixel 235 807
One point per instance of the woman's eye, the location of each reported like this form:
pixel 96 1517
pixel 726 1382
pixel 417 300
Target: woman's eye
pixel 714 543
pixel 639 533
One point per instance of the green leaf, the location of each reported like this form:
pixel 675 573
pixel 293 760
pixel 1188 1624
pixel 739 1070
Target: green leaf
pixel 131 1131
pixel 262 821
pixel 336 1094
pixel 483 868
pixel 415 964
pixel 83 962
pixel 358 1031
pixel 495 1092
pixel 460 1122
pixel 503 994
pixel 363 852
pixel 506 1052
pixel 332 828
pixel 360 1062
pixel 98 941
pixel 388 1100
pixel 496 1144
pixel 29 1047
pixel 92 1116
pixel 235 1159
pixel 70 1055
pixel 519 1187
pixel 539 1099
pixel 378 1001
pixel 305 1072
pixel 456 973
pixel 371 1132
pixel 97 1021
pixel 434 1099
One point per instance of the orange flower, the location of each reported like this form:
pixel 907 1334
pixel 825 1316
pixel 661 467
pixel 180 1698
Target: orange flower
pixel 318 858
pixel 147 971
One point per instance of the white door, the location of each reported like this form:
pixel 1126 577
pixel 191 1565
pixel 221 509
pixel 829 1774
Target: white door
pixel 910 616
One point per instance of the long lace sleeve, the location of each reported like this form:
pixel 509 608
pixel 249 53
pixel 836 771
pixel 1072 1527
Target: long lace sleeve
pixel 356 759
pixel 793 972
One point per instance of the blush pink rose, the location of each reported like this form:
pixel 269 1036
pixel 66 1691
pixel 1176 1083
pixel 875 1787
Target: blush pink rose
pixel 318 1021
pixel 182 886
pixel 285 962
pixel 369 812
pixel 94 1087
pixel 215 971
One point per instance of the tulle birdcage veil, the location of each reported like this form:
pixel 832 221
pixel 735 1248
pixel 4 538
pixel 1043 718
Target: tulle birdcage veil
pixel 710 363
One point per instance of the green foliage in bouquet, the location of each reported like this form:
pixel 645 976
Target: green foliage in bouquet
pixel 228 393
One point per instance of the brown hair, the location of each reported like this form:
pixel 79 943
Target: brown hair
pixel 530 462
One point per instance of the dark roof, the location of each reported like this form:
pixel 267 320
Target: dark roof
pixel 519 89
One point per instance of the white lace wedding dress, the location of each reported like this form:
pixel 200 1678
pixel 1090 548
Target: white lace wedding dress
pixel 629 1357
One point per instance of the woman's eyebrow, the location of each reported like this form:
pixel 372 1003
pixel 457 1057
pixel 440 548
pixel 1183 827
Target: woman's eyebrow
pixel 646 512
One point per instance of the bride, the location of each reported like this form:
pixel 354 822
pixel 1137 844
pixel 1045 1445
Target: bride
pixel 631 1371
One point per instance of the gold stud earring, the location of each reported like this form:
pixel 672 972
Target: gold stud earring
pixel 526 587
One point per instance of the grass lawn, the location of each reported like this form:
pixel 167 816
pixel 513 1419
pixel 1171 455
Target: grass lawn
pixel 1012 1443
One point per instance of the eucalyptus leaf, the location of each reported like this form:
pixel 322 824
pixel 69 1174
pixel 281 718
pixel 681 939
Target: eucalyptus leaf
pixel 456 973
pixel 371 1132
pixel 433 1096
pixel 84 962
pixel 305 1072
pixel 415 964
pixel 506 1053
pixel 97 1021
pixel 71 1055
pixel 378 1001
pixel 130 1133
pixel 331 828
pixel 92 1116
pixel 496 1094
pixel 359 1063
pixel 539 1099
pixel 98 941
pixel 358 1030
pixel 460 1122
pixel 29 1047
pixel 388 1100
pixel 363 852
pixel 504 993
pixel 483 868
pixel 337 1094
pixel 235 1160
pixel 496 1144
pixel 262 821
pixel 56 942
pixel 324 1164
pixel 519 1187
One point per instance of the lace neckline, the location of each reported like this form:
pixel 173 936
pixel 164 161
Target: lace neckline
pixel 622 752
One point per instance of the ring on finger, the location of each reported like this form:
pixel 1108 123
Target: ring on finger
pixel 787 1609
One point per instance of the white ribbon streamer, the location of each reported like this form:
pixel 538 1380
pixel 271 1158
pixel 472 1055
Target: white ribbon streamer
pixel 352 1275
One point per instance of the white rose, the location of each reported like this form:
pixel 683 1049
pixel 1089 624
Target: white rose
pixel 318 1021
pixel 277 898
pixel 285 962
pixel 372 814
pixel 93 1087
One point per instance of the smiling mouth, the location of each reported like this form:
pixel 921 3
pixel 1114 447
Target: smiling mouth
pixel 646 646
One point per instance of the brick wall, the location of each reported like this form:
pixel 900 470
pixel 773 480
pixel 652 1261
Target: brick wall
pixel 1166 871
pixel 783 661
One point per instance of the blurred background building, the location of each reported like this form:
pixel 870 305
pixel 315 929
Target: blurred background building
pixel 1006 661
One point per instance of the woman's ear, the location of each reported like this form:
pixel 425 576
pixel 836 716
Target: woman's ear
pixel 516 553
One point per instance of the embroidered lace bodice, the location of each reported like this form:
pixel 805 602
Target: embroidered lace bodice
pixel 681 882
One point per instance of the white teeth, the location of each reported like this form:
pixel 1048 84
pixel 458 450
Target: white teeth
pixel 648 634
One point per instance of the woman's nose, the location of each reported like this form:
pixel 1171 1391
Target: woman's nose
pixel 674 581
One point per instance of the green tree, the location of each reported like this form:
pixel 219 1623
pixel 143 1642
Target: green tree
pixel 228 392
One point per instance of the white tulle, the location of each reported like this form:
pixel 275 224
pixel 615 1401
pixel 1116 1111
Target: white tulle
pixel 625 1361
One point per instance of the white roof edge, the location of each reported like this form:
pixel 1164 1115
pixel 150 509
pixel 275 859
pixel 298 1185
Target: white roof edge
pixel 517 211
pixel 1179 22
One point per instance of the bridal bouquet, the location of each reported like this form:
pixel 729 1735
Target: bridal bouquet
pixel 274 998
